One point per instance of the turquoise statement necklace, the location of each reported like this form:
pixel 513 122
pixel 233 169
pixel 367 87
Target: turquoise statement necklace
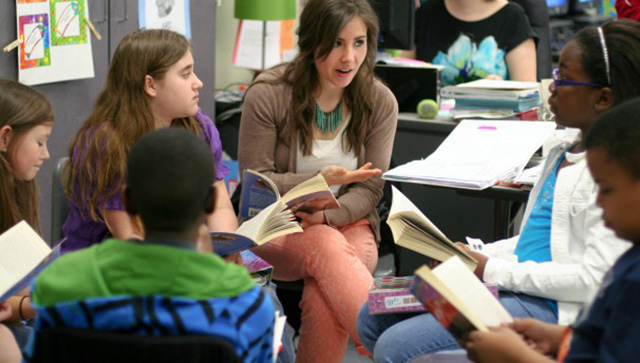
pixel 327 123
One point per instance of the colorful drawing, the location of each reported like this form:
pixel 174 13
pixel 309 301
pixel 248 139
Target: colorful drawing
pixel 68 23
pixel 31 1
pixel 35 50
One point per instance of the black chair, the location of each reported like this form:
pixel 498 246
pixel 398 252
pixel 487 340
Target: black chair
pixel 59 203
pixel 74 345
pixel 538 14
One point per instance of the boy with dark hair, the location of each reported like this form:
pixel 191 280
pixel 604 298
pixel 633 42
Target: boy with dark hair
pixel 608 331
pixel 183 292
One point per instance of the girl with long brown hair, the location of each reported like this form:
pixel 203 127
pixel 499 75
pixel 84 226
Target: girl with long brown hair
pixel 151 84
pixel 26 120
pixel 325 112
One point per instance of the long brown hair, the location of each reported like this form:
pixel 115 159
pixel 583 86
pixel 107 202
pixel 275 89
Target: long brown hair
pixel 320 25
pixel 22 108
pixel 121 115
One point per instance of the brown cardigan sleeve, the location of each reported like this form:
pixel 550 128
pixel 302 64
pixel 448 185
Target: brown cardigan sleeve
pixel 358 200
pixel 262 127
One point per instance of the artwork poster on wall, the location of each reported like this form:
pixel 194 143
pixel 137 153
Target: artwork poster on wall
pixel 55 41
pixel 165 14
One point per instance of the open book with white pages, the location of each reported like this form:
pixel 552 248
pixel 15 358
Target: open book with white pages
pixel 477 154
pixel 23 255
pixel 413 230
pixel 457 298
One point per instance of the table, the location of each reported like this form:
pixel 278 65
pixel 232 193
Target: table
pixel 487 214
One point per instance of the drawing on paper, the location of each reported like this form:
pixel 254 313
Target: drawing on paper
pixel 164 7
pixel 35 50
pixel 31 1
pixel 68 24
pixel 165 14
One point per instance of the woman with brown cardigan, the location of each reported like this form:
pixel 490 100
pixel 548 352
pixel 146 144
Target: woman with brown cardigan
pixel 326 113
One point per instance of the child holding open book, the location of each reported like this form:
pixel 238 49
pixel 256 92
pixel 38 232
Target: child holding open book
pixel 26 120
pixel 325 112
pixel 564 249
pixel 151 84
pixel 609 329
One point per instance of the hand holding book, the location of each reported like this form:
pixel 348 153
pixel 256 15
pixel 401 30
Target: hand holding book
pixel 498 344
pixel 413 230
pixel 457 299
pixel 267 215
pixel 310 219
pixel 542 337
pixel 259 192
pixel 479 257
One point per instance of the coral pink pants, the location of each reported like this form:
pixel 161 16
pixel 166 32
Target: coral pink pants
pixel 336 265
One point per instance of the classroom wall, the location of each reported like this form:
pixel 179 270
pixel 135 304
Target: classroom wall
pixel 226 29
pixel 73 100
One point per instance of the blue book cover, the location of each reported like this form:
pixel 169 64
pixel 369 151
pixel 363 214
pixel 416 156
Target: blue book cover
pixel 258 192
pixel 225 243
pixel 515 105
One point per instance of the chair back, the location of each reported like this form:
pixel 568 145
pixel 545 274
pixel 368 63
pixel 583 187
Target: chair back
pixel 59 202
pixel 71 345
pixel 538 14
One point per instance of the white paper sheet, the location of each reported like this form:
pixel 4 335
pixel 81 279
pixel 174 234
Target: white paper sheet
pixel 165 14
pixel 248 51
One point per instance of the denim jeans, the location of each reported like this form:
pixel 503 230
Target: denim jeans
pixel 401 337
pixel 21 332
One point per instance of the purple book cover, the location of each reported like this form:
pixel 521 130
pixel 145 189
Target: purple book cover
pixel 393 295
pixel 259 269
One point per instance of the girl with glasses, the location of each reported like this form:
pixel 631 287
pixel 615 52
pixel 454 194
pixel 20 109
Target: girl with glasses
pixel 564 248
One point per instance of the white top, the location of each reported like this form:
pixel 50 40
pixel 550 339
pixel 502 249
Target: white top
pixel 582 248
pixel 325 153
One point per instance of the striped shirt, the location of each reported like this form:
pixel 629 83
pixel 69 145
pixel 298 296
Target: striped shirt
pixel 156 290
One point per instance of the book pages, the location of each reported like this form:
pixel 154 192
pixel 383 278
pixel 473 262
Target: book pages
pixel 274 221
pixel 413 230
pixel 21 250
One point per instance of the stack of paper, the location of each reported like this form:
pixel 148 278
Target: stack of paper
pixel 477 154
pixel 494 96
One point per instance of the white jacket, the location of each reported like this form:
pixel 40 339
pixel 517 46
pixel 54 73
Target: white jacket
pixel 582 248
